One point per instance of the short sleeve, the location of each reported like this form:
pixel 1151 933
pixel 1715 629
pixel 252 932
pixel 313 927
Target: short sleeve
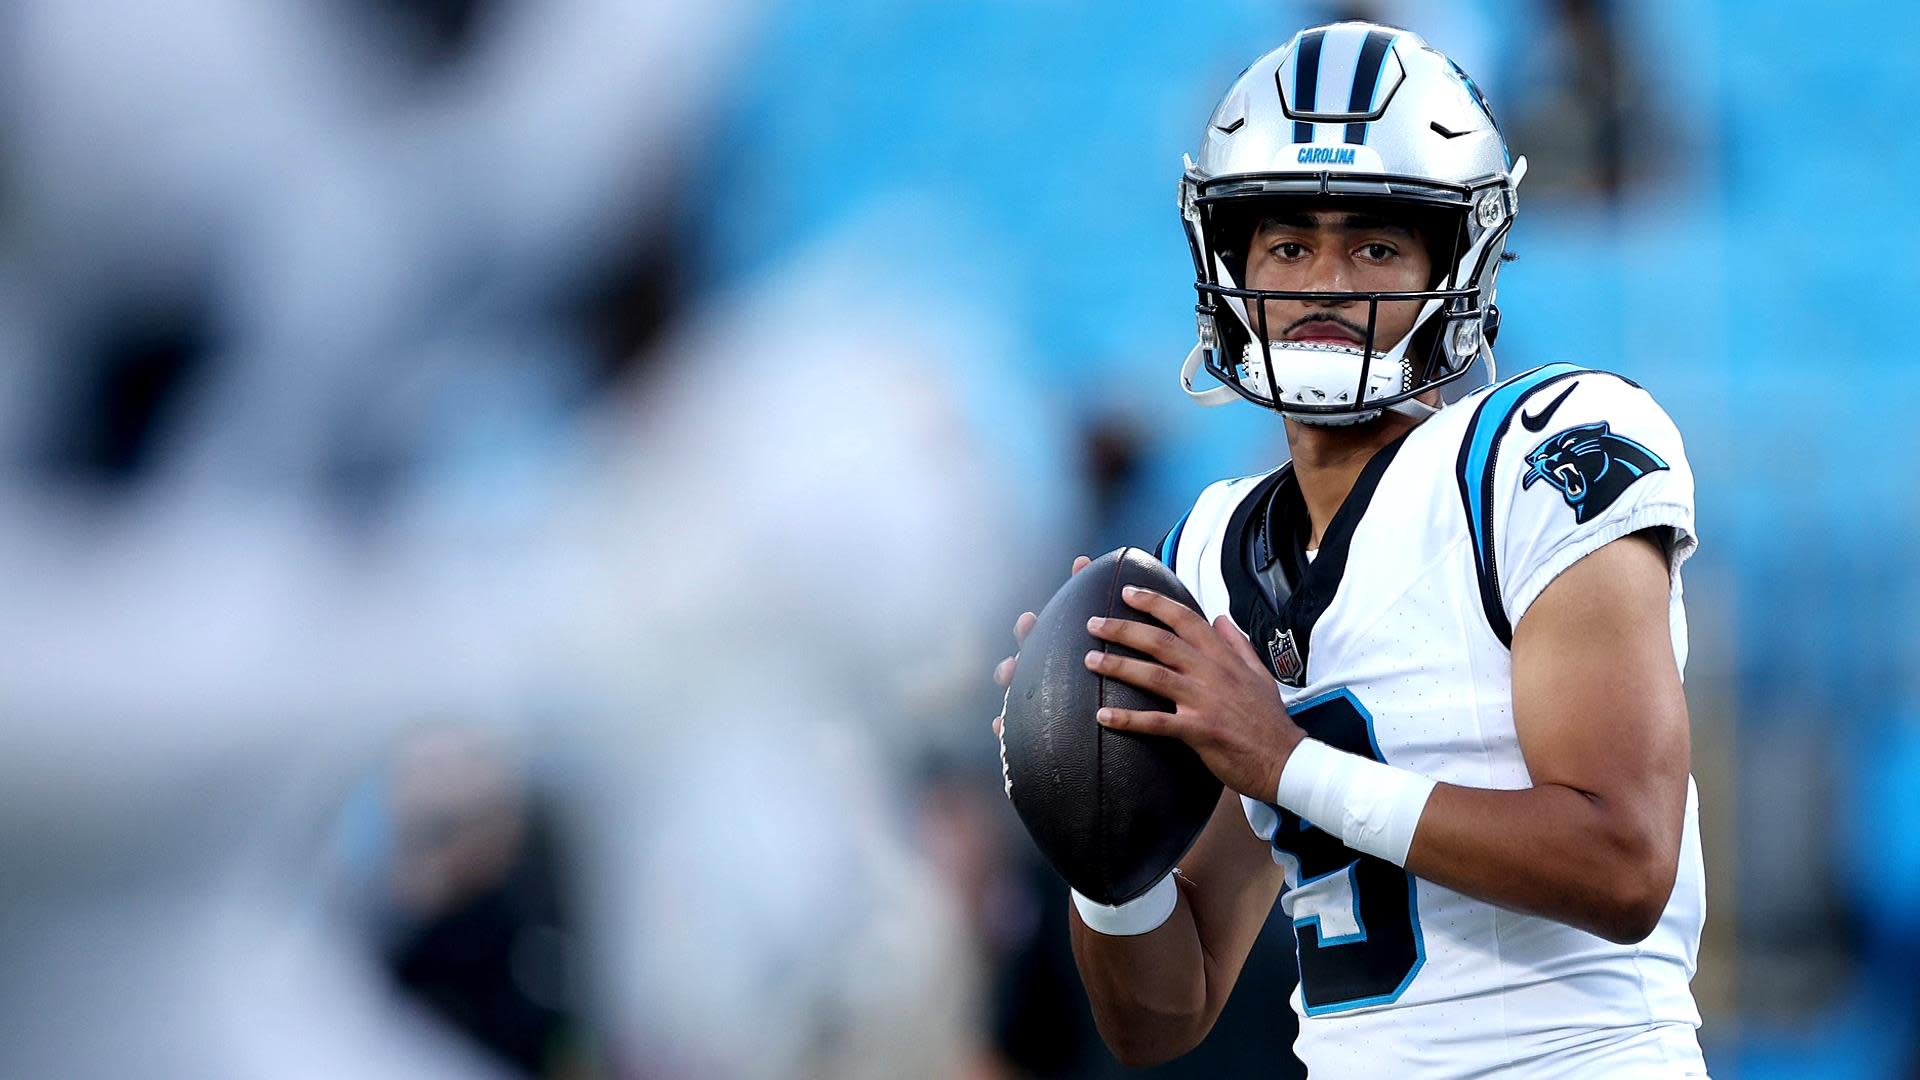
pixel 1581 460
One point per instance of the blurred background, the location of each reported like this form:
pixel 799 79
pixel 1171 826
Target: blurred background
pixel 507 508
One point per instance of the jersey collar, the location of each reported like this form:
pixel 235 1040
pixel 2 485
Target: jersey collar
pixel 1274 589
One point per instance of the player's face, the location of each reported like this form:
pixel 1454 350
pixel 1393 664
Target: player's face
pixel 1312 250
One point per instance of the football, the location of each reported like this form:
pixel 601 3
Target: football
pixel 1113 811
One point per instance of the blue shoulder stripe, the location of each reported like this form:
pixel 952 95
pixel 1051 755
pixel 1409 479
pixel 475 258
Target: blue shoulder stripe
pixel 1170 544
pixel 1478 458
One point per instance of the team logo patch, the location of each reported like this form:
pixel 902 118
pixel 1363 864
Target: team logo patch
pixel 1590 465
pixel 1287 665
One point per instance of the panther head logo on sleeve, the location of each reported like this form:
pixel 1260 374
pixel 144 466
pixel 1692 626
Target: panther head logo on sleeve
pixel 1590 465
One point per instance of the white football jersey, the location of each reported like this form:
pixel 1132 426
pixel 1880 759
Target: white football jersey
pixel 1392 642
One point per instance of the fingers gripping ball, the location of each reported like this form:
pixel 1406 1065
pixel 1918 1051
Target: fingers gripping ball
pixel 1112 810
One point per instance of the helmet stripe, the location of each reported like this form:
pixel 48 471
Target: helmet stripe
pixel 1306 82
pixel 1366 80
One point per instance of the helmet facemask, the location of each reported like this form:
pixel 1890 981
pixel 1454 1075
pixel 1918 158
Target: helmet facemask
pixel 1319 382
pixel 1362 116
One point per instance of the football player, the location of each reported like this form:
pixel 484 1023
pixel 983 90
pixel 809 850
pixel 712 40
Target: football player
pixel 1438 661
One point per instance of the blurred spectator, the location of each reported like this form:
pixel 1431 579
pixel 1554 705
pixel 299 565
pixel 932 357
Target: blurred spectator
pixel 1580 110
pixel 475 904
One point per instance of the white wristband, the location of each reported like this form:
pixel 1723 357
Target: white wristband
pixel 1141 915
pixel 1372 807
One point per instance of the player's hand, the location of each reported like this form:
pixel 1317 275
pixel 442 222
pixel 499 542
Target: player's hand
pixel 1226 704
pixel 1022 626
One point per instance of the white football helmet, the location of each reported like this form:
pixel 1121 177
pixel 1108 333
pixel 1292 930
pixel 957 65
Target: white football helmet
pixel 1364 112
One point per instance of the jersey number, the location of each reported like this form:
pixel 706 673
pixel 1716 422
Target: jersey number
pixel 1354 915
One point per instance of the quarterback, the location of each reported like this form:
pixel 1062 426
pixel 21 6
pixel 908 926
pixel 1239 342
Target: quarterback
pixel 1438 660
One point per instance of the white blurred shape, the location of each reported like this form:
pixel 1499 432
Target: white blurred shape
pixel 814 525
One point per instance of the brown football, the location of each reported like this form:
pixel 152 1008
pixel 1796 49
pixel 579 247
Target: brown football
pixel 1113 811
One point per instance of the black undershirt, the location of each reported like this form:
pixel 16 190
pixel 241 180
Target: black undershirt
pixel 1273 586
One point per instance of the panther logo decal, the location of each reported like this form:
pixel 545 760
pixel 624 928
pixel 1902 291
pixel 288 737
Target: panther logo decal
pixel 1591 466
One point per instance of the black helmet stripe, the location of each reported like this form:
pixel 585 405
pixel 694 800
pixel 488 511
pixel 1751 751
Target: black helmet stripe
pixel 1306 82
pixel 1366 80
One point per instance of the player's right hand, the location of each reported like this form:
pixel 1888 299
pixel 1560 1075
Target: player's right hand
pixel 1022 626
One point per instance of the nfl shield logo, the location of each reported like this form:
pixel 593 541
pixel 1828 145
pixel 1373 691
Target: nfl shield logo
pixel 1286 659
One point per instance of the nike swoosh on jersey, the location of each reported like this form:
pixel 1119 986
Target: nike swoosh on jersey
pixel 1536 421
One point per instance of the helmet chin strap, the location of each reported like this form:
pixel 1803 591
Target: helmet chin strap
pixel 1413 409
pixel 1214 397
pixel 1211 398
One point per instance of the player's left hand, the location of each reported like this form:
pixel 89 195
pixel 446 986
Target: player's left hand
pixel 1226 704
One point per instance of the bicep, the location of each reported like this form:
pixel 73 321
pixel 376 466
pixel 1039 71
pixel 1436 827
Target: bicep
pixel 1597 700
